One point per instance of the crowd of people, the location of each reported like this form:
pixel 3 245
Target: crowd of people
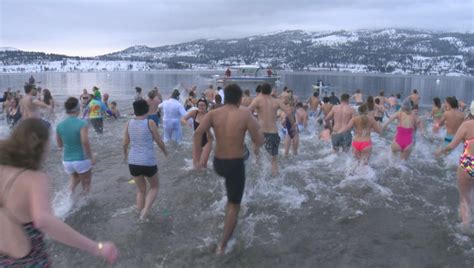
pixel 221 120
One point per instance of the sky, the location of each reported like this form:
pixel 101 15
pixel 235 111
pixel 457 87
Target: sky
pixel 97 27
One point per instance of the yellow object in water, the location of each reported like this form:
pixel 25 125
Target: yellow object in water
pixel 131 181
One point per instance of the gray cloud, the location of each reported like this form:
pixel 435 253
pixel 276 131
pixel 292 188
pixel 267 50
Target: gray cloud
pixel 88 27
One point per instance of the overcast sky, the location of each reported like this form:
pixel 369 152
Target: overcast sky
pixel 95 27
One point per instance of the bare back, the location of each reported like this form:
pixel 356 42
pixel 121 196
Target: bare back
pixel 27 108
pixel 342 115
pixel 246 101
pixel 153 105
pixel 358 97
pixel 313 103
pixel 230 125
pixel 267 108
pixel 454 119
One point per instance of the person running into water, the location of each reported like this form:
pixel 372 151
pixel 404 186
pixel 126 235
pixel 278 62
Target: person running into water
pixel 85 98
pixel 246 100
pixel 29 105
pixel 267 107
pixel 363 126
pixel 407 122
pixel 210 94
pixel 415 98
pixel 114 110
pixel 96 93
pixel 452 118
pixel 292 134
pixel 26 215
pixel 301 117
pixel 437 114
pixel 13 113
pixel 371 106
pixel 314 103
pixel 153 101
pixel 140 132
pixel 230 123
pixel 379 110
pixel 341 114
pixel 358 98
pixel 465 171
pixel 95 113
pixel 173 111
pixel 201 160
pixel 72 134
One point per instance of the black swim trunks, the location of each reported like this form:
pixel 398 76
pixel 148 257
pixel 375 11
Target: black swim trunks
pixel 98 124
pixel 272 142
pixel 147 171
pixel 233 170
pixel 342 141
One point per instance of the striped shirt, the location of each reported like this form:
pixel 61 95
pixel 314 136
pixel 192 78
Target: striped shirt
pixel 142 152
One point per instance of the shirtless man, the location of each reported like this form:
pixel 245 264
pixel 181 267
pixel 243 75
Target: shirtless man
pixel 379 110
pixel 358 97
pixel 230 123
pixel 210 94
pixel 301 117
pixel 267 107
pixel 326 109
pixel 246 100
pixel 153 101
pixel 314 103
pixel 29 105
pixel 452 117
pixel 381 97
pixel 341 114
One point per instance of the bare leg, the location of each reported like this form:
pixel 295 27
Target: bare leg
pixel 296 142
pixel 274 165
pixel 151 195
pixel 230 221
pixel 356 154
pixel 205 154
pixel 141 185
pixel 196 160
pixel 287 145
pixel 464 187
pixel 395 147
pixel 365 155
pixel 85 179
pixel 74 182
pixel 406 153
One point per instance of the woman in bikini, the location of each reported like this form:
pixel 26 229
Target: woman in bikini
pixel 363 126
pixel 25 209
pixel 465 171
pixel 407 122
pixel 207 138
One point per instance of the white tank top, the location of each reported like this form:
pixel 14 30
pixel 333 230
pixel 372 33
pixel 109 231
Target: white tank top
pixel 142 152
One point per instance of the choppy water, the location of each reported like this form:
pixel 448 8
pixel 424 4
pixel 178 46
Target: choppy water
pixel 322 211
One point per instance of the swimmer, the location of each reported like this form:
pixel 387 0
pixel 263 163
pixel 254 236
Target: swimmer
pixel 153 101
pixel 452 118
pixel 198 115
pixel 326 108
pixel 230 123
pixel 342 114
pixel 363 126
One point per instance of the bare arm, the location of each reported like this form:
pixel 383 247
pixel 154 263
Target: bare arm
pixel 330 115
pixel 254 131
pixel 126 142
pixel 191 114
pixel 59 141
pixel 287 111
pixel 86 144
pixel 393 117
pixel 458 138
pixel 156 136
pixel 253 105
pixel 375 126
pixel 204 126
pixel 41 104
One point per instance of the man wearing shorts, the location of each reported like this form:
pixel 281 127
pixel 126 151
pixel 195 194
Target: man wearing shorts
pixel 341 114
pixel 230 123
pixel 73 136
pixel 267 107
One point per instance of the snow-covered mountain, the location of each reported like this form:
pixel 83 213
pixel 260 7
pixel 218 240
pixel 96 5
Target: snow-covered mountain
pixel 372 51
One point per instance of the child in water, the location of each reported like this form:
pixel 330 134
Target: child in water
pixel 114 110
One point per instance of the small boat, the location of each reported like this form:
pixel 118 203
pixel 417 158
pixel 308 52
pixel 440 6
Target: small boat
pixel 247 76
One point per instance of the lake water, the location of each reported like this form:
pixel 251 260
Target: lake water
pixel 321 211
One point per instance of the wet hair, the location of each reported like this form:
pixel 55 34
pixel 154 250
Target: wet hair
pixel 316 94
pixel 437 102
pixel 258 89
pixel 218 98
pixel 70 105
pixel 205 101
pixel 345 97
pixel 453 102
pixel 326 99
pixel 370 103
pixel 29 87
pixel 138 89
pixel 232 94
pixel 377 101
pixel 266 89
pixel 247 92
pixel 47 96
pixel 151 94
pixel 140 107
pixel 26 145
